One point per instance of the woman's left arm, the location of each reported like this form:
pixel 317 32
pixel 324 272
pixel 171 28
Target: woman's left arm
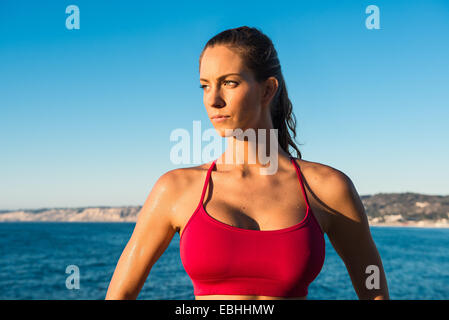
pixel 350 236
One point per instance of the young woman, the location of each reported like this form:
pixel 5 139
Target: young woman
pixel 246 235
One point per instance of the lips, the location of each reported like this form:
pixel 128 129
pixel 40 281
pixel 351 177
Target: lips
pixel 219 118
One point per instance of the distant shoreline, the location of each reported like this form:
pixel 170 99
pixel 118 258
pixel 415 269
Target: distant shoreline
pixel 409 225
pixel 382 210
pixel 399 225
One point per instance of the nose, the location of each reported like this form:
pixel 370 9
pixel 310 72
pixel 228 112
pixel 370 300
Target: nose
pixel 213 98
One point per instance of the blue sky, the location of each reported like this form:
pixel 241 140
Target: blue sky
pixel 86 115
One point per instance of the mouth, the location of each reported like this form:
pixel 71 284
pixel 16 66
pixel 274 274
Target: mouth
pixel 220 118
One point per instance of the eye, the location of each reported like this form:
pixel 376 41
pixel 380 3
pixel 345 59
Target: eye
pixel 226 81
pixel 231 81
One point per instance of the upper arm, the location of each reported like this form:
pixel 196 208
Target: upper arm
pixel 350 235
pixel 151 236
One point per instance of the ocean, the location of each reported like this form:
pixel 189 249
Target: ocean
pixel 36 255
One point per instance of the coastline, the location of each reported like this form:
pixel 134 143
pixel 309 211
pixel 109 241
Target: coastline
pixel 399 221
pixel 396 212
pixel 417 224
pixel 403 225
pixel 112 215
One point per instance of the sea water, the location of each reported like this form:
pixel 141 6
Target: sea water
pixel 35 256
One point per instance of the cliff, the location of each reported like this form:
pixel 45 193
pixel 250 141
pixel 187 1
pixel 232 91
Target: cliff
pixel 396 209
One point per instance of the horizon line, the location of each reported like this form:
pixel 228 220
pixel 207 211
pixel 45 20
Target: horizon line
pixel 140 205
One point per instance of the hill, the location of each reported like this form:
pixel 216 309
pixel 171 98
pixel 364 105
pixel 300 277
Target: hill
pixel 394 209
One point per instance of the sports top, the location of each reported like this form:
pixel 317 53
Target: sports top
pixel 227 260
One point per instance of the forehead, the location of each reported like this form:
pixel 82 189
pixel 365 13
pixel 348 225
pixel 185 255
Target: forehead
pixel 220 60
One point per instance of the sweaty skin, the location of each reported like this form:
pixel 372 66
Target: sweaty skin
pixel 239 194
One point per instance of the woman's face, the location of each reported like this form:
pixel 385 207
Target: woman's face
pixel 230 90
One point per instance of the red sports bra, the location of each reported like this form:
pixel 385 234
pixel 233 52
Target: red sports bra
pixel 227 260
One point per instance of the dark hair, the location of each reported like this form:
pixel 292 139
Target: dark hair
pixel 260 56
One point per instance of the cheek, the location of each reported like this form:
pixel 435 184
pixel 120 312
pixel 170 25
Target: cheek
pixel 249 110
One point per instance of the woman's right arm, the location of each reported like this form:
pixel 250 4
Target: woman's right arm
pixel 152 234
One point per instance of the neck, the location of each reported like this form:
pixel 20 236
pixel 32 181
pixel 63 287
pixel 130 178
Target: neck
pixel 253 149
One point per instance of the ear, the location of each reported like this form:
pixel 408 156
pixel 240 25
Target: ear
pixel 270 88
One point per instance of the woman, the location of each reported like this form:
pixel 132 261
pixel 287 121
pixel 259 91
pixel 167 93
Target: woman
pixel 251 235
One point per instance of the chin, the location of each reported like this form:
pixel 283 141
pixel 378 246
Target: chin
pixel 229 132
pixel 225 132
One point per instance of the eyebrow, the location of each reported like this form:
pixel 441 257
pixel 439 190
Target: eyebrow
pixel 223 76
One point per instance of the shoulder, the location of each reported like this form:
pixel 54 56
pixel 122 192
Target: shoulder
pixel 324 176
pixel 176 181
pixel 332 189
pixel 176 193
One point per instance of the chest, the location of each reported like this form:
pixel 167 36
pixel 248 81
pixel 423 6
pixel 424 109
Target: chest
pixel 256 206
pixel 222 258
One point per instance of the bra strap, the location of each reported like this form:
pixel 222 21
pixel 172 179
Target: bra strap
pixel 206 183
pixel 298 171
